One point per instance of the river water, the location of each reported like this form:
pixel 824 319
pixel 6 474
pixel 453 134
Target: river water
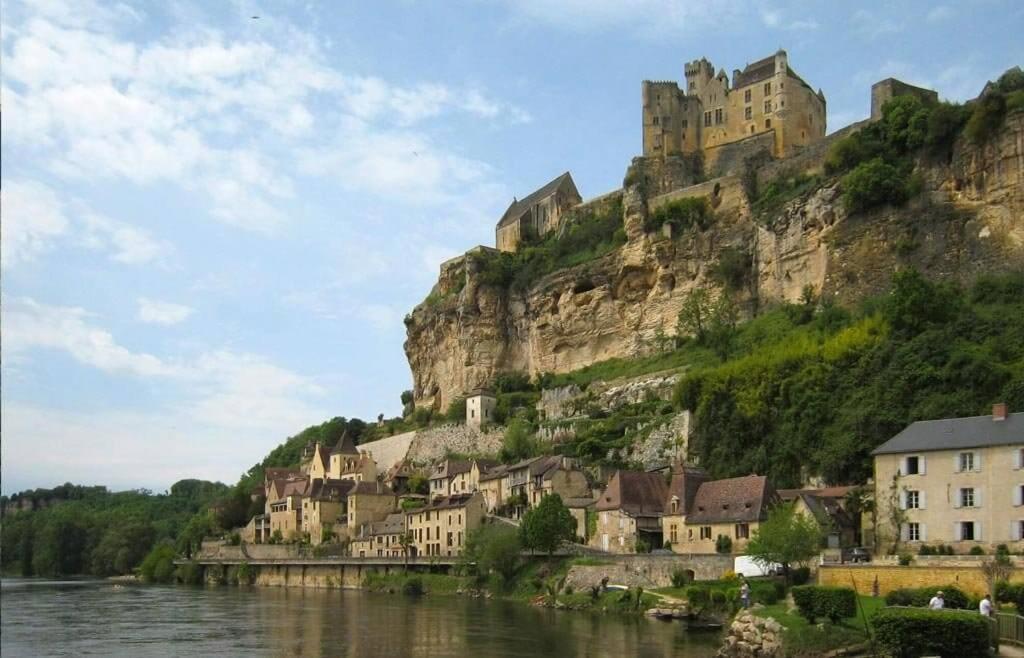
pixel 95 618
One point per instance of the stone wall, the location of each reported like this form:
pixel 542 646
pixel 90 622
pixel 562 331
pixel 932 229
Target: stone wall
pixel 862 577
pixel 647 571
pixel 388 452
pixel 663 444
pixel 659 175
pixel 752 637
pixel 725 195
pixel 728 159
pixel 809 159
pixel 434 443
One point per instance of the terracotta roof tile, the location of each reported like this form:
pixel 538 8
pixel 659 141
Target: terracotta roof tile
pixel 732 500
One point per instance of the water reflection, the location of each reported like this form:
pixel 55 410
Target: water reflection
pixel 94 618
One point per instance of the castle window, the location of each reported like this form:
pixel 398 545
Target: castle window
pixel 746 96
pixel 685 123
pixel 748 112
pixel 693 85
pixel 767 107
pixel 707 118
pixel 718 116
pixel 767 88
pixel 654 120
pixel 767 123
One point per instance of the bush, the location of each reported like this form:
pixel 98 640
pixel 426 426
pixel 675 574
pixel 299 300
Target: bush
pixel 244 574
pixel 723 544
pixel 874 183
pixel 920 596
pixel 800 575
pixel 905 559
pixel 412 586
pixel 680 578
pixel 158 565
pixel 697 595
pixel 977 550
pixel 986 118
pixel 834 603
pixel 925 549
pixel 911 633
pixel 681 214
pixel 767 592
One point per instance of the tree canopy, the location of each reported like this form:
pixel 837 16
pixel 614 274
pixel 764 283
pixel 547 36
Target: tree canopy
pixel 786 537
pixel 547 525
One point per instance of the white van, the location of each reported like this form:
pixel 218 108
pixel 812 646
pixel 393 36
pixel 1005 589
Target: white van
pixel 744 565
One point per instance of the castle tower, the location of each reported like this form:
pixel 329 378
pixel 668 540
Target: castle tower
pixel 779 99
pixel 698 73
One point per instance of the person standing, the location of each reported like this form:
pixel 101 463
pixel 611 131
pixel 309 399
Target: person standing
pixel 985 607
pixel 745 593
pixel 937 602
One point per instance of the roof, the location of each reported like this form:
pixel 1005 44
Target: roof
pixel 825 492
pixel 393 524
pixel 368 488
pixel 345 445
pixel 578 502
pixel 450 468
pixel 755 72
pixel 635 493
pixel 731 500
pixel 955 434
pixel 295 487
pixel 686 480
pixel 278 473
pixel 517 208
pixel 330 489
pixel 484 465
pixel 494 473
pixel 445 502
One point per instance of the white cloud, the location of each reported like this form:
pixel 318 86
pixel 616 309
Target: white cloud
pixel 127 244
pixel 771 17
pixel 33 218
pixel 939 13
pixel 152 311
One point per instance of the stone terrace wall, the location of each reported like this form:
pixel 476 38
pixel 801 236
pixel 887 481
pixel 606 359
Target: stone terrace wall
pixel 647 570
pixel 388 452
pixel 730 158
pixel 809 160
pixel 968 578
pixel 436 442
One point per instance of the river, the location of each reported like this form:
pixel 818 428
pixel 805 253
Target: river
pixel 95 618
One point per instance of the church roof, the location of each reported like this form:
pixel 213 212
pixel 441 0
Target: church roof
pixel 517 208
pixel 345 445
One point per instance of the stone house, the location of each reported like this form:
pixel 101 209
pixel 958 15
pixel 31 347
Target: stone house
pixel 381 538
pixel 348 463
pixel 827 507
pixel 441 528
pixel 398 476
pixel 956 481
pixel 284 506
pixel 480 408
pixel 630 510
pixel 766 97
pixel 492 485
pixel 326 509
pixel 556 474
pixel 537 214
pixel 369 502
pixel 733 508
pixel 682 491
pixel 450 476
pixel 316 461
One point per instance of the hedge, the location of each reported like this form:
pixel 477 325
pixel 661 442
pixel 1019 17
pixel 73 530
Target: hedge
pixel 815 601
pixel 920 596
pixel 905 633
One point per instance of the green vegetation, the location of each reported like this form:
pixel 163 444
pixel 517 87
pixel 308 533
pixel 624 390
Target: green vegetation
pixel 89 530
pixel 903 633
pixel 920 596
pixel 158 566
pixel 802 638
pixel 547 525
pixel 518 443
pixel 786 537
pixel 586 236
pixel 832 603
pixel 781 191
pixel 429 583
pixel 493 549
pixel 816 392
pixel 681 214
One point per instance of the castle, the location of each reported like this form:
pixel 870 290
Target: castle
pixel 765 98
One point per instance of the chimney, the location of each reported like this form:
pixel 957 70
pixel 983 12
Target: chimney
pixel 999 411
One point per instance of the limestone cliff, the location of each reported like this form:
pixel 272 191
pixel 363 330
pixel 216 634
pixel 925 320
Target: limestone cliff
pixel 969 219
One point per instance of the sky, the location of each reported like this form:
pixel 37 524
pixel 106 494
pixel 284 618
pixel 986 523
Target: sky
pixel 213 223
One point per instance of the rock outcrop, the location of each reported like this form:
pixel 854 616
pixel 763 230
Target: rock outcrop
pixel 969 220
pixel 750 636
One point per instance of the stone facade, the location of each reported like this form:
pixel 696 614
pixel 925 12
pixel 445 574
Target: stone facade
pixel 537 214
pixel 480 409
pixel 441 527
pixel 767 97
pixel 885 90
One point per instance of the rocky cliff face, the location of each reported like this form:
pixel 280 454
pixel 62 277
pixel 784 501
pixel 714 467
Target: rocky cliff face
pixel 969 219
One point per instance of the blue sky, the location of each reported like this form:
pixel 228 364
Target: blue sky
pixel 213 224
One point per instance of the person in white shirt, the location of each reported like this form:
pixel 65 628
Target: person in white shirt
pixel 985 607
pixel 937 601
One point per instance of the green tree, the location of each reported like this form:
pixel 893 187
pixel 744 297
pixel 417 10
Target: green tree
pixel 721 332
pixel 786 537
pixel 158 565
pixel 518 443
pixel 456 412
pixel 547 525
pixel 695 314
pixel 494 548
pixel 873 183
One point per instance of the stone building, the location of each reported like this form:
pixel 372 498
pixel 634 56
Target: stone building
pixel 441 527
pixel 885 90
pixel 630 510
pixel 766 97
pixel 369 502
pixel 284 506
pixel 348 463
pixel 958 481
pixel 381 538
pixel 325 509
pixel 732 508
pixel 537 214
pixel 480 408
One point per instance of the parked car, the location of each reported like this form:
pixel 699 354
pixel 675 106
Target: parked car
pixel 856 555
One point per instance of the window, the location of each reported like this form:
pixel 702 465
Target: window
pixel 693 85
pixel 1019 531
pixel 707 118
pixel 966 461
pixel 967 531
pixel 746 96
pixel 767 123
pixel 913 500
pixel 967 497
pixel 767 107
pixel 472 413
pixel 767 88
pixel 449 539
pixel 689 534
pixel 913 465
pixel 705 532
pixel 742 531
pixel 654 120
pixel 672 533
pixel 748 113
pixel 914 532
pixel 718 116
pixel 685 124
pixel 675 506
pixel 1018 495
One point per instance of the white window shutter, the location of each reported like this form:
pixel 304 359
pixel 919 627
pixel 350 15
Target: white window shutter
pixel 1016 496
pixel 1015 530
pixel 903 499
pixel 956 498
pixel 923 529
pixel 922 500
pixel 977 497
pixel 903 466
pixel 922 464
pixel 977 461
pixel 956 531
pixel 977 531
pixel 956 462
pixel 1019 458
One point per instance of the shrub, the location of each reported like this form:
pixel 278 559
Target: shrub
pixel 910 633
pixel 977 550
pixel 413 586
pixel 873 183
pixel 920 596
pixel 987 117
pixel 905 559
pixel 681 214
pixel 697 595
pixel 926 550
pixel 244 574
pixel 767 592
pixel 800 575
pixel 189 573
pixel 723 544
pixel 158 565
pixel 680 578
pixel 834 603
